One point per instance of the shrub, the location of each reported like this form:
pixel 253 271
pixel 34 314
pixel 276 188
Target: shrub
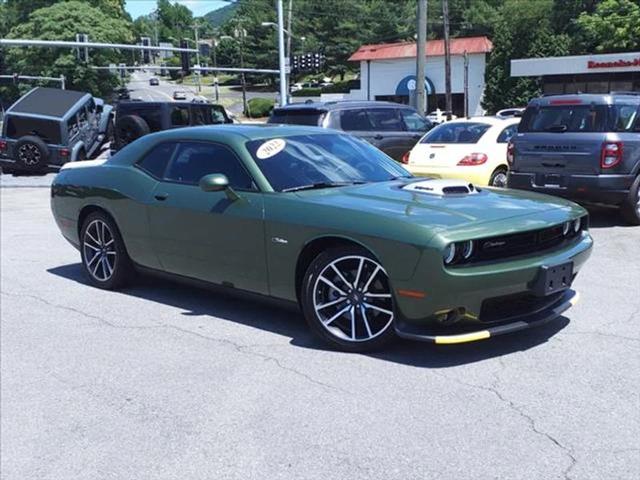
pixel 259 107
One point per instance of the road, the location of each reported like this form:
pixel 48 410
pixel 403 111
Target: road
pixel 162 381
pixel 139 88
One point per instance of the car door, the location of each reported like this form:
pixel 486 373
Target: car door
pixel 207 235
pixel 355 121
pixel 389 132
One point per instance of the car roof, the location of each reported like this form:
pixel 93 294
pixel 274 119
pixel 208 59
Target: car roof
pixel 49 102
pixel 487 119
pixel 601 98
pixel 339 105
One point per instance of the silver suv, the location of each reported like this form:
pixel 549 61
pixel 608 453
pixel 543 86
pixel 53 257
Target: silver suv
pixel 585 147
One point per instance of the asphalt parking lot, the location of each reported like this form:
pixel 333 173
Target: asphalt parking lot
pixel 162 381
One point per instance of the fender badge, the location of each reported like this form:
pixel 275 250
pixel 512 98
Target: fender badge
pixel 279 240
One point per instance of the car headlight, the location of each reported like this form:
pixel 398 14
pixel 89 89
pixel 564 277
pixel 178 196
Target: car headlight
pixel 577 223
pixel 449 254
pixel 466 249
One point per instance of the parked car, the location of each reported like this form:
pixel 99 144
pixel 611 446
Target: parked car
pixel 295 87
pixel 439 116
pixel 474 150
pixel 137 119
pixel 48 127
pixel 324 219
pixel 153 81
pixel 392 127
pixel 179 95
pixel 581 147
pixel 510 112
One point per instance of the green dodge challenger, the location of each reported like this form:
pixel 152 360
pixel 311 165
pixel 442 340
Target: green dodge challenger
pixel 323 219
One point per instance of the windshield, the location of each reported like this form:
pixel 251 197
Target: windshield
pixel 456 132
pixel 321 160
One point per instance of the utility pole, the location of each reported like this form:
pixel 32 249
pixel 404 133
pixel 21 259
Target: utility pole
pixel 215 65
pixel 241 33
pixel 283 75
pixel 195 28
pixel 447 58
pixel 466 84
pixel 421 56
pixel 289 37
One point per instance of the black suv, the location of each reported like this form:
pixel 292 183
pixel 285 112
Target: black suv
pixel 392 127
pixel 585 147
pixel 136 119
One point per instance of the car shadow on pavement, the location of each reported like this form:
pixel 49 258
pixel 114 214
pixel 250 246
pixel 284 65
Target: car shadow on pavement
pixel 605 217
pixel 286 320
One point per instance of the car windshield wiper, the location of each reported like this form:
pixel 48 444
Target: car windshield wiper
pixel 317 185
pixel 556 128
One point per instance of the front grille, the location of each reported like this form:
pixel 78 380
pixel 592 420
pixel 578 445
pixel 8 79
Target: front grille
pixel 503 308
pixel 520 244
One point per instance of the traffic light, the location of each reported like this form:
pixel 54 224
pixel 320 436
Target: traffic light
pixel 82 53
pixel 184 57
pixel 146 54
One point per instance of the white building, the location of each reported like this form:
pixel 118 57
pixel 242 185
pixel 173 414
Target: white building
pixel 583 73
pixel 387 72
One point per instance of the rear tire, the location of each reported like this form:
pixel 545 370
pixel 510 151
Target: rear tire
pixel 631 208
pixel 347 301
pixel 129 128
pixel 104 256
pixel 499 178
pixel 31 153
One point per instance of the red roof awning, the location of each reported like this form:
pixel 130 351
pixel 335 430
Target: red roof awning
pixel 435 48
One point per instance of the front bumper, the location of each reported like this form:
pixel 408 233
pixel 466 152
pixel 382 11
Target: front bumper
pixel 608 189
pixel 521 322
pixel 478 175
pixel 484 299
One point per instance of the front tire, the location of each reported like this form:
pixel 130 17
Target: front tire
pixel 347 301
pixel 631 208
pixel 104 257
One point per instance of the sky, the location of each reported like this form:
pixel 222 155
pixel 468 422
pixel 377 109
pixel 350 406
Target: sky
pixel 198 7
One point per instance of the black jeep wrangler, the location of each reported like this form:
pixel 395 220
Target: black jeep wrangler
pixel 136 119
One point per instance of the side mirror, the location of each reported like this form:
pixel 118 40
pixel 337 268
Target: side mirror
pixel 217 182
pixel 214 182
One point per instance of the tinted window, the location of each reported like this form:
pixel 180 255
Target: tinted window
pixel 413 121
pixel 386 119
pixel 565 118
pixel 155 161
pixel 297 117
pixel 48 130
pixel 180 115
pixel 194 160
pixel 507 133
pixel 456 132
pixel 624 117
pixel 207 115
pixel 355 119
pixel 309 159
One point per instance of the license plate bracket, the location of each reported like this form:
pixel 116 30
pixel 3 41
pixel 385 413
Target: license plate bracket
pixel 553 278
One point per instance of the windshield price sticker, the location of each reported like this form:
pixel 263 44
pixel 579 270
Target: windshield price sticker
pixel 270 148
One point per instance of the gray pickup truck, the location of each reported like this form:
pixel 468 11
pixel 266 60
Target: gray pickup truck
pixel 585 147
pixel 48 127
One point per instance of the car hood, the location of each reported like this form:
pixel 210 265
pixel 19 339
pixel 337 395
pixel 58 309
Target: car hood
pixel 389 199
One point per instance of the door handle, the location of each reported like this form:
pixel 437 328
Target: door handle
pixel 161 196
pixel 378 137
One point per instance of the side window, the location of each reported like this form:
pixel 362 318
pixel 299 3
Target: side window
pixel 180 116
pixel 72 127
pixel 386 119
pixel 82 118
pixel 217 115
pixel 155 161
pixel 413 121
pixel 354 119
pixel 507 133
pixel 194 160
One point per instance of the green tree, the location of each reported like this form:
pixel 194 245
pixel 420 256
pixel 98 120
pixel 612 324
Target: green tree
pixel 531 36
pixel 61 22
pixel 614 26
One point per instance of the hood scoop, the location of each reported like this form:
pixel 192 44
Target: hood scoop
pixel 442 187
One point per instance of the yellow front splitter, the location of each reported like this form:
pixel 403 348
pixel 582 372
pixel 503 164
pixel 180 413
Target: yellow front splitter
pixel 569 299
